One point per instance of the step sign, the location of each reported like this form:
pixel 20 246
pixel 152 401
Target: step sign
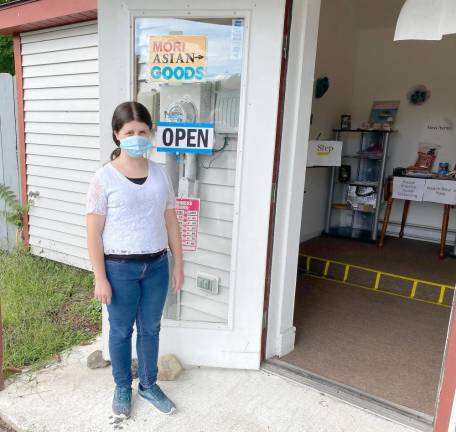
pixel 185 137
pixel 187 211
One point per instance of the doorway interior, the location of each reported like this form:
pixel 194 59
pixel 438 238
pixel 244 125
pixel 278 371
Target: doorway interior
pixel 375 319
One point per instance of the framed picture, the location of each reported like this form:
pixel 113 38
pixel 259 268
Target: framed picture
pixel 345 121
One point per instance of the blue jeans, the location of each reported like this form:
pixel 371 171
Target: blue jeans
pixel 139 289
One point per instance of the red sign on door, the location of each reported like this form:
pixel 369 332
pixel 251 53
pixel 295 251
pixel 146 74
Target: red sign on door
pixel 187 210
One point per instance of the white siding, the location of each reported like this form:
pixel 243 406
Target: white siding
pixel 61 102
pixel 216 175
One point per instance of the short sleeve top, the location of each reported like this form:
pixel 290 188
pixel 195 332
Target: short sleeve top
pixel 135 213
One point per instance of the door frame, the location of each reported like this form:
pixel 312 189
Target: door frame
pixel 279 333
pixel 286 210
pixel 238 346
pixel 275 172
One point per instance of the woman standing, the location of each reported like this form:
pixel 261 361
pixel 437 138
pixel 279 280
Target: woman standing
pixel 131 220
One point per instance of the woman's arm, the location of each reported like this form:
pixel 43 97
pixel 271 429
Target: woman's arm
pixel 95 224
pixel 175 244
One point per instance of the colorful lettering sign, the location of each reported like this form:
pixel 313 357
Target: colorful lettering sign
pixel 185 137
pixel 187 211
pixel 177 58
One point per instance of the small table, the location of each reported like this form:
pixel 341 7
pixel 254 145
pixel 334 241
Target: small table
pixel 441 191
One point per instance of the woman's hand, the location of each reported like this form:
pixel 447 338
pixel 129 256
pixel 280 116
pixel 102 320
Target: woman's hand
pixel 103 291
pixel 177 277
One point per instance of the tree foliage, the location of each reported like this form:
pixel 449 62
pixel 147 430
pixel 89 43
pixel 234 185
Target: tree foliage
pixel 6 51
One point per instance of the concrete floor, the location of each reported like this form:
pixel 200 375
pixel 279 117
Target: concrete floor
pixel 383 345
pixel 69 397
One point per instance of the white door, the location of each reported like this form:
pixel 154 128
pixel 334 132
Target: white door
pixel 205 64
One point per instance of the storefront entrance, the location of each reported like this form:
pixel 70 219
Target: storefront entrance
pixel 201 68
pixel 370 319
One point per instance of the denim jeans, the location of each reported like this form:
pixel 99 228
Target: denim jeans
pixel 139 289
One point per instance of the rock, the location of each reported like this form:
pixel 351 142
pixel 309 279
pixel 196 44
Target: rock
pixel 169 367
pixel 134 368
pixel 96 360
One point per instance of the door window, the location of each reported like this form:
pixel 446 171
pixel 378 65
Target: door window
pixel 189 74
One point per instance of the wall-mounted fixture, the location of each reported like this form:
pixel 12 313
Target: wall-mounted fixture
pixel 426 20
pixel 418 95
pixel 321 87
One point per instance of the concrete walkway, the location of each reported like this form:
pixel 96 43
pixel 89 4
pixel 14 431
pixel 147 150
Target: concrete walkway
pixel 69 397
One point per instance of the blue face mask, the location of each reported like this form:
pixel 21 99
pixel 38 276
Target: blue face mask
pixel 135 146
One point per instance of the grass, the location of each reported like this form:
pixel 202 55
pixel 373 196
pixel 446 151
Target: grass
pixel 47 307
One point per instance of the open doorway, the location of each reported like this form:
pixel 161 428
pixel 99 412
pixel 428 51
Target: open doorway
pixel 375 319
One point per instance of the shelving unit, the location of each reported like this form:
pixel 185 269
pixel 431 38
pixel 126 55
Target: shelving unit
pixel 367 170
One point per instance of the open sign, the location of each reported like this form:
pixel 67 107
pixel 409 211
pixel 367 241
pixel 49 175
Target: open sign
pixel 185 137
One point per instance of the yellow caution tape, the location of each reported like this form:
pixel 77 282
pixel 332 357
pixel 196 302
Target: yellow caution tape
pixel 378 276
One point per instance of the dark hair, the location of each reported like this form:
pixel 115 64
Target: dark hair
pixel 124 113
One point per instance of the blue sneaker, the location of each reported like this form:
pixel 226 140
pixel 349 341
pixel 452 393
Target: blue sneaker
pixel 157 398
pixel 121 403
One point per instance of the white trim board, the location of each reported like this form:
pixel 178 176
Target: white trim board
pixel 292 172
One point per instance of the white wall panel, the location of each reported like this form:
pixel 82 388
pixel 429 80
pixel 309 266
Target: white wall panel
pixel 50 234
pixel 49 214
pixel 88 92
pixel 61 102
pixel 62 140
pixel 63 226
pixel 85 66
pixel 68 152
pixel 73 80
pixel 72 163
pixel 58 246
pixel 60 206
pixel 56 194
pixel 61 44
pixel 70 55
pixel 53 33
pixel 59 173
pixel 217 210
pixel 63 185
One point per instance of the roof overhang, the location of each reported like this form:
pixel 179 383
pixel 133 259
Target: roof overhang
pixel 26 15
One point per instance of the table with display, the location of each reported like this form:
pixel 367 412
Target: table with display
pixel 437 190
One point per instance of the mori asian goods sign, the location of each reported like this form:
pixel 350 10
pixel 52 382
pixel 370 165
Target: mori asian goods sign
pixel 187 211
pixel 185 137
pixel 177 58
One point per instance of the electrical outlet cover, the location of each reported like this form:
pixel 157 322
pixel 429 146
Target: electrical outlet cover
pixel 207 283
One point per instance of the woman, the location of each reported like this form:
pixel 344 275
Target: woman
pixel 131 220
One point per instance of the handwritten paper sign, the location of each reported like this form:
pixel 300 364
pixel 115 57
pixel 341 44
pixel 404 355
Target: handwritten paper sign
pixel 440 191
pixel 407 188
pixel 431 190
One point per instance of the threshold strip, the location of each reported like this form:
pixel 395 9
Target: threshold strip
pixel 376 405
